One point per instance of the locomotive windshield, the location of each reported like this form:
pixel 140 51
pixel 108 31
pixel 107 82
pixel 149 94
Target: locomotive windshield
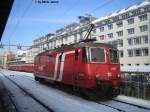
pixel 114 56
pixel 97 55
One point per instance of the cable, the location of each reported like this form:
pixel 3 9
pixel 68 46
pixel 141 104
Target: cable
pixel 21 18
pixel 101 5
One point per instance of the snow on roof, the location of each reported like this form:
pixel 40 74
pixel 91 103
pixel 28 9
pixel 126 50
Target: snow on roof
pixel 77 27
pixel 136 68
pixel 113 14
pixel 132 7
pixel 20 52
pixel 144 3
pixel 123 11
pixel 97 20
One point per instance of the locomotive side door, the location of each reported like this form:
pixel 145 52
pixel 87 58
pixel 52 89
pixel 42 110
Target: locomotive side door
pixel 76 68
pixel 49 66
pixel 60 61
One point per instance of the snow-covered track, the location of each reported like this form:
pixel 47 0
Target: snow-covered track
pixel 29 94
pixel 7 100
pixel 63 101
pixel 118 108
pixel 142 107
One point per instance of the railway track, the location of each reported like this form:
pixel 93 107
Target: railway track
pixel 146 108
pixel 108 105
pixel 29 94
pixel 28 78
pixel 119 109
pixel 7 102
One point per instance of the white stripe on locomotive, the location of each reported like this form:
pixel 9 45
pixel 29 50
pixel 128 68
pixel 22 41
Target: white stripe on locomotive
pixel 56 66
pixel 62 64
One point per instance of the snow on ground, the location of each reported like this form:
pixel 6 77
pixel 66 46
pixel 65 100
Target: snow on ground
pixel 56 99
pixel 140 102
pixel 21 100
pixel 123 106
pixel 64 102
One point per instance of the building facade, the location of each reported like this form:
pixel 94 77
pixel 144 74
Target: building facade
pixel 6 56
pixel 127 29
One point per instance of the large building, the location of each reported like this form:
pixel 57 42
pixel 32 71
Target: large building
pixel 6 56
pixel 127 29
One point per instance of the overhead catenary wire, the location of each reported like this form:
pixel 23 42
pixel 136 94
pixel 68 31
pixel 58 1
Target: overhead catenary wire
pixel 20 19
pixel 101 5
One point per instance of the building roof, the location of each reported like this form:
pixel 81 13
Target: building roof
pixel 147 2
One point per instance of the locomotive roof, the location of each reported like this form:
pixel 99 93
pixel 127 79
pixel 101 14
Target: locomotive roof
pixel 78 45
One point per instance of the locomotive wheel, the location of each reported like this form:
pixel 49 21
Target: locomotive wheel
pixel 36 78
pixel 93 94
pixel 39 79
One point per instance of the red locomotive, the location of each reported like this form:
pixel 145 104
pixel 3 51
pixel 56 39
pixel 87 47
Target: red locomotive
pixel 88 66
pixel 20 66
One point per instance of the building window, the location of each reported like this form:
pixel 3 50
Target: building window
pixel 121 54
pixel 120 33
pixel 137 40
pixel 130 21
pixel 81 36
pixel 130 42
pixel 101 29
pixel 143 17
pixel 101 37
pixel 130 53
pixel 145 39
pixel 143 28
pixel 146 64
pixel 75 38
pixel 119 24
pixel 110 35
pixel 130 31
pixel 120 43
pixel 110 26
pixel 145 51
pixel 138 52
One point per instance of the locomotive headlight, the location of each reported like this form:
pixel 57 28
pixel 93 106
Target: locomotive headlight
pixel 119 75
pixel 109 75
pixel 97 76
pixel 98 79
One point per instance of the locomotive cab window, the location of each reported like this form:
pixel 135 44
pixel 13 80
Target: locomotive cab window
pixel 84 55
pixel 97 55
pixel 76 54
pixel 114 58
pixel 60 58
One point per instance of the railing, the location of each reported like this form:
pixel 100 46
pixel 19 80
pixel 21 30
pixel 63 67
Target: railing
pixel 136 84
